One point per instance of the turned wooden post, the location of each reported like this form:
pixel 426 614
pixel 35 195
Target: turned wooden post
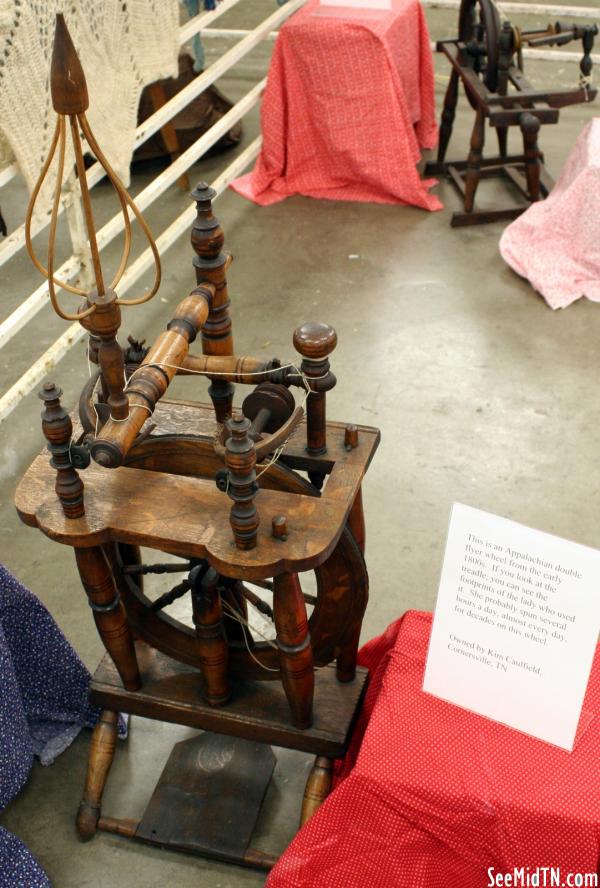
pixel 240 459
pixel 295 651
pixel 58 431
pixel 109 613
pixel 473 173
pixel 448 114
pixel 104 324
pixel 102 750
pixel 210 632
pixel 530 127
pixel 315 342
pixel 211 265
pixel 318 787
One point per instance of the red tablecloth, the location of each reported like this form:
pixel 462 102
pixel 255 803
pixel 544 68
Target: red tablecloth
pixel 348 105
pixel 432 796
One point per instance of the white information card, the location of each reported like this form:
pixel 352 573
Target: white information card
pixel 515 626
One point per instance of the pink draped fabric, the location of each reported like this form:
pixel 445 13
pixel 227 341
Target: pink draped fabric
pixel 349 104
pixel 555 244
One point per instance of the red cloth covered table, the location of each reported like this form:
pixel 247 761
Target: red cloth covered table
pixel 432 796
pixel 348 105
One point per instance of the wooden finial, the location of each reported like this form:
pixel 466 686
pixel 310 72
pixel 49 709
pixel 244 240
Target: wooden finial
pixel 67 80
pixel 58 430
pixel 350 437
pixel 279 527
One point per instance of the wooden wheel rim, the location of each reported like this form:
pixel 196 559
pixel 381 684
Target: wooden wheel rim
pixel 490 20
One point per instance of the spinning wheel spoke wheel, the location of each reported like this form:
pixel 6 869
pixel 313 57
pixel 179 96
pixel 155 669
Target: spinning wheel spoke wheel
pixel 337 607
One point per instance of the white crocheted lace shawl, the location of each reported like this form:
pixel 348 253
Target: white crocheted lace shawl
pixel 123 45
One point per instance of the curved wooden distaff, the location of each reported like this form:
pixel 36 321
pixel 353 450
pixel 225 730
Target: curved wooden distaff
pixel 100 312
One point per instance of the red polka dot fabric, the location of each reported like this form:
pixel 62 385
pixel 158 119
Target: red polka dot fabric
pixel 432 796
pixel 349 104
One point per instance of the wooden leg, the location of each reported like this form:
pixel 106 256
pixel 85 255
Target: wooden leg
pixel 109 613
pixel 502 140
pixel 530 126
pixel 102 750
pixel 295 652
pixel 345 664
pixel 356 521
pixel 168 132
pixel 472 175
pixel 448 113
pixel 212 642
pixel 318 787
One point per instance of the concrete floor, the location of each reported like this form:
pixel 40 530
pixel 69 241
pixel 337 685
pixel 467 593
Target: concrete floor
pixel 483 395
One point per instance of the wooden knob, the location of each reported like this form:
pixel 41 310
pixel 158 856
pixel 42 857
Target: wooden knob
pixel 315 340
pixel 351 437
pixel 279 527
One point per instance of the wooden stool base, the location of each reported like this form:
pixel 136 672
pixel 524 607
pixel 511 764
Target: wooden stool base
pixel 210 793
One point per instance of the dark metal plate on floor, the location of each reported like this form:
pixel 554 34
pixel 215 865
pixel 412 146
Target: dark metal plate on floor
pixel 209 796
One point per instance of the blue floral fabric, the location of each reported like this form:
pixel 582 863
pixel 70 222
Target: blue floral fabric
pixel 43 706
pixel 18 867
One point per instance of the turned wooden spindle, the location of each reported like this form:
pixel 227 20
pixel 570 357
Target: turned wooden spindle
pixel 210 633
pixel 530 127
pixel 315 342
pixel 585 65
pixel 102 750
pixel 211 265
pixel 109 613
pixel 240 459
pixel 104 324
pixel 152 379
pixel 58 431
pixel 244 369
pixel 295 651
pixel 473 173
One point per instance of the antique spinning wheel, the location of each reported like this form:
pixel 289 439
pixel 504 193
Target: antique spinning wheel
pixel 179 479
pixel 487 59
